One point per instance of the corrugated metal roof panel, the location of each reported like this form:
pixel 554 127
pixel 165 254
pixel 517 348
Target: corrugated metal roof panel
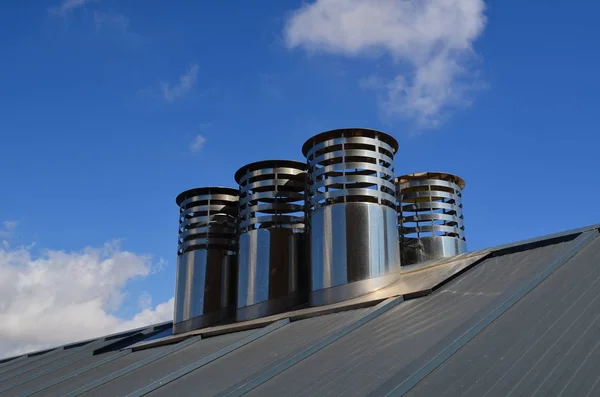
pixel 67 356
pixel 399 342
pixel 256 356
pixel 74 383
pixel 45 361
pixel 13 366
pixel 58 373
pixel 156 370
pixel 546 344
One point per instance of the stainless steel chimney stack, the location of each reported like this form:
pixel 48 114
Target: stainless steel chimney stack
pixel 352 217
pixel 205 256
pixel 271 237
pixel 431 216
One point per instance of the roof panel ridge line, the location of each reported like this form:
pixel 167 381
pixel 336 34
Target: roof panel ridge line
pixel 19 363
pixel 210 358
pixel 534 240
pixel 407 384
pixel 134 366
pixel 145 333
pixel 83 342
pixel 75 373
pixel 13 359
pixel 253 382
pixel 96 345
pixel 40 363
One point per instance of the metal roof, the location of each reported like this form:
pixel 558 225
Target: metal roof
pixel 519 319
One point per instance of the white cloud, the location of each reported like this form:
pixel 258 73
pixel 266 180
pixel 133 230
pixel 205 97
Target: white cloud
pixel 183 86
pixel 430 42
pixel 67 6
pixel 197 143
pixel 62 297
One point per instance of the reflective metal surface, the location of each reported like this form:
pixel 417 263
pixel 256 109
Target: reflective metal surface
pixel 416 250
pixel 414 280
pixel 205 256
pixel 430 216
pixel 352 215
pixel 271 274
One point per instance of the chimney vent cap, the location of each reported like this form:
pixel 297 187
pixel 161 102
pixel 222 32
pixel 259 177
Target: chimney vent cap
pixel 444 176
pixel 259 165
pixel 198 191
pixel 349 132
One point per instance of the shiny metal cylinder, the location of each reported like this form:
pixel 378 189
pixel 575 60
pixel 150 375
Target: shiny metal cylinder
pixel 430 216
pixel 206 258
pixel 271 259
pixel 352 218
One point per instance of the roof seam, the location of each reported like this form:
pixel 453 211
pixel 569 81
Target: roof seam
pixel 10 366
pixel 133 367
pixel 72 352
pixel 208 359
pixel 75 373
pixel 255 381
pixel 580 242
pixel 114 336
pixel 78 357
pixel 552 236
pixel 534 244
pixel 12 360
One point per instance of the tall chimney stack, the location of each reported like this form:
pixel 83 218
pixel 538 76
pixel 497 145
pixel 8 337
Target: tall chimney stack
pixel 271 261
pixel 205 256
pixel 352 217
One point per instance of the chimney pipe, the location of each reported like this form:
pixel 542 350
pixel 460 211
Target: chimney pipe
pixel 271 238
pixel 431 216
pixel 352 217
pixel 205 256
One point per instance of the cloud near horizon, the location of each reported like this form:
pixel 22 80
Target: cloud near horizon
pixel 61 297
pixel 173 91
pixel 429 41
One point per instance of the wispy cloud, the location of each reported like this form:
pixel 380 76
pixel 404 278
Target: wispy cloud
pixel 62 297
pixel 197 143
pixel 8 228
pixel 173 91
pixel 67 6
pixel 430 42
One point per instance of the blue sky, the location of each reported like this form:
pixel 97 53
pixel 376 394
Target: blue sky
pixel 111 108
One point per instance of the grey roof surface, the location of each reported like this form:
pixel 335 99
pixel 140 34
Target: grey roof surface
pixel 396 344
pixel 546 344
pixel 524 319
